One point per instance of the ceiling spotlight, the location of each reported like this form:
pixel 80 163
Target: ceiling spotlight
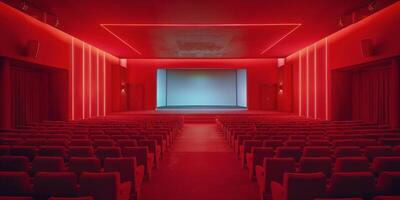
pixel 24 6
pixel 340 23
pixel 57 22
pixel 371 6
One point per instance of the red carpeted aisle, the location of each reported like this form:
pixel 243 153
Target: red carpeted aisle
pixel 200 166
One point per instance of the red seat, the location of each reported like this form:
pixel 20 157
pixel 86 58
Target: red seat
pixel 386 198
pixel 14 163
pixel 299 186
pixel 59 151
pixel 84 164
pixel 347 151
pixel 80 142
pixel 256 157
pixel 273 170
pixel 103 152
pixel 104 186
pixel 71 198
pixel 316 151
pixel 15 198
pixel 381 164
pixel 47 184
pixel 289 152
pixel 295 143
pixel 4 150
pixel 352 184
pixel 127 143
pixel 273 143
pixel 389 141
pixel 316 164
pixel 28 151
pixel 351 164
pixel 321 143
pixel 375 151
pixel 103 142
pixel 128 170
pixel 246 148
pixel 143 157
pixel 389 183
pixel 81 151
pixel 56 142
pixel 34 142
pixel 15 184
pixel 153 149
pixel 48 164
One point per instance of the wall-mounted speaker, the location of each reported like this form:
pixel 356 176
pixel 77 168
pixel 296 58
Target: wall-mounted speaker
pixel 367 47
pixel 32 48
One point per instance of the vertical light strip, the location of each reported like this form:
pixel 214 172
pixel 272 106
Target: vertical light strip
pixel 315 80
pixel 307 84
pixel 326 79
pixel 72 79
pixel 83 80
pixel 97 84
pixel 300 80
pixel 104 84
pixel 90 81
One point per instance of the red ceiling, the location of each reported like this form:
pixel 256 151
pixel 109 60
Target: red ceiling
pixel 200 28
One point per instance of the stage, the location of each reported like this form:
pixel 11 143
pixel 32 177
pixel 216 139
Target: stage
pixel 204 115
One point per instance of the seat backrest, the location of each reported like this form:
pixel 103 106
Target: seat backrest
pixel 321 143
pixel 15 184
pixel 347 151
pixel 84 164
pixel 103 142
pixel 351 164
pixel 127 142
pixel 272 143
pixel 80 142
pixel 274 168
pixel 316 151
pixel 140 153
pixel 292 152
pixel 103 152
pixel 295 143
pixel 14 163
pixel 248 144
pixel 316 164
pixel 46 184
pixel 70 198
pixel 151 144
pixel 389 141
pixel 28 151
pixel 389 183
pixel 296 184
pixel 352 184
pixel 48 164
pixel 101 186
pixel 374 151
pixel 4 150
pixel 259 153
pixel 81 151
pixel 384 163
pixel 125 166
pixel 56 142
pixel 52 151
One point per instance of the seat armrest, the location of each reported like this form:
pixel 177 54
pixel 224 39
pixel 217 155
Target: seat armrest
pixel 125 190
pixel 277 190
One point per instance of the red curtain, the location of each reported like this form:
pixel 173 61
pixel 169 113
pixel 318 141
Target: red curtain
pixel 372 95
pixel 29 95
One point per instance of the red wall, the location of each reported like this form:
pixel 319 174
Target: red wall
pixel 89 87
pixel 312 91
pixel 142 76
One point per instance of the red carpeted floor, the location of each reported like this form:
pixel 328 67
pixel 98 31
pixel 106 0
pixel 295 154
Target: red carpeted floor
pixel 200 166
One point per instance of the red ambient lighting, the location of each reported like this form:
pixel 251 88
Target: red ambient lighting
pixel 295 26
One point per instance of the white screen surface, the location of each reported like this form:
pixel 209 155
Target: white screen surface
pixel 201 87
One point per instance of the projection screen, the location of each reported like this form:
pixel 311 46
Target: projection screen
pixel 201 87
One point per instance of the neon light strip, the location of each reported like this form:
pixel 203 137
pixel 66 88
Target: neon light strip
pixel 297 25
pixel 315 80
pixel 97 84
pixel 326 79
pixel 104 84
pixel 90 81
pixel 83 80
pixel 280 39
pixel 72 79
pixel 307 84
pixel 300 80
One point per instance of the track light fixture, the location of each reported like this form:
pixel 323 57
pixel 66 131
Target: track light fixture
pixel 24 6
pixel 371 6
pixel 340 23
